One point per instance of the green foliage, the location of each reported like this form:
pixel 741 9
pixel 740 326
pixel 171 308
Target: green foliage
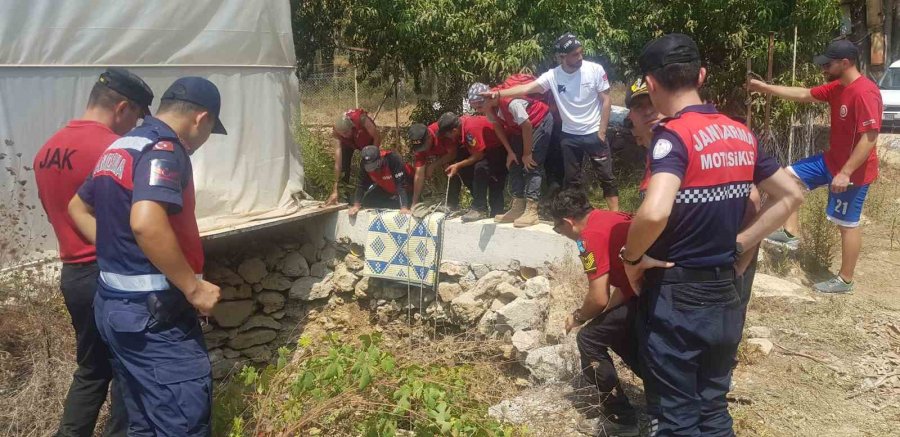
pixel 819 239
pixel 446 44
pixel 335 387
pixel 318 162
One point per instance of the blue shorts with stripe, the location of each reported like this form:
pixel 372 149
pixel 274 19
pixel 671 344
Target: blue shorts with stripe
pixel 844 209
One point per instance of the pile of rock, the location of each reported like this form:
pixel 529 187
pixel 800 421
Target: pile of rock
pixel 265 294
pixel 256 293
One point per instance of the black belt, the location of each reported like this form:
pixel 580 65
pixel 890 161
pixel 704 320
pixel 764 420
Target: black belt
pixel 684 274
pixel 81 264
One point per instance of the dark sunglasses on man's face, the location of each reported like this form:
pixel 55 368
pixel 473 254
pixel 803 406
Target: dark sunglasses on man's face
pixel 557 224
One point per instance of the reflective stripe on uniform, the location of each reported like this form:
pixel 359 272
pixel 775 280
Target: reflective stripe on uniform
pixel 138 283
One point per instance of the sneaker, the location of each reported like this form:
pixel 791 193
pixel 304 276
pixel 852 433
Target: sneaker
pixel 611 426
pixel 784 238
pixel 835 285
pixel 474 215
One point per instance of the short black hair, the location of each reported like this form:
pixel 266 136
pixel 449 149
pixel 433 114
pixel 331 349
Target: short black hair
pixel 105 97
pixel 179 107
pixel 570 203
pixel 678 76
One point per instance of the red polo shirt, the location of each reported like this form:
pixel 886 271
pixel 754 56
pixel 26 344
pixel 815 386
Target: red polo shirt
pixel 855 109
pixel 439 147
pixel 601 240
pixel 478 134
pixel 60 167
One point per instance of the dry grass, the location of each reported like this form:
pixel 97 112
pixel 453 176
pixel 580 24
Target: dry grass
pixel 36 359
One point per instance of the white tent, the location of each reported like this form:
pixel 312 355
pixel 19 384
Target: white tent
pixel 51 53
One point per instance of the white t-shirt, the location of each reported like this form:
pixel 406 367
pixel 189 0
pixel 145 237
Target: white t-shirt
pixel 577 96
pixel 519 110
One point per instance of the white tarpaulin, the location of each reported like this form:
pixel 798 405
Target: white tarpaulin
pixel 52 51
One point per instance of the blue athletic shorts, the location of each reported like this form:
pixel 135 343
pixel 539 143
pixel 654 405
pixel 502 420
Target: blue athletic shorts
pixel 844 209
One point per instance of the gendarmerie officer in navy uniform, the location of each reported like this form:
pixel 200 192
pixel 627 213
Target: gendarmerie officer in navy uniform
pixel 701 168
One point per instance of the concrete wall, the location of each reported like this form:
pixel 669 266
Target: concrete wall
pixel 483 242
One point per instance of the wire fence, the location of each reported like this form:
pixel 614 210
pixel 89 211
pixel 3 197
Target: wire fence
pixel 325 96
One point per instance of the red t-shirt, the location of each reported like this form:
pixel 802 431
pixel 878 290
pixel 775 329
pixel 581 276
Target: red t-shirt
pixel 60 167
pixel 478 133
pixel 439 147
pixel 360 137
pixel 855 109
pixel 601 240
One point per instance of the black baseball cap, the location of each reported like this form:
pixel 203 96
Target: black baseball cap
pixel 418 137
pixel 129 85
pixel 673 48
pixel 201 92
pixel 447 122
pixel 371 157
pixel 566 43
pixel 840 49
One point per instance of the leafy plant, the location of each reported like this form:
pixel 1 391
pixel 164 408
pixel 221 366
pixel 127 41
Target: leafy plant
pixel 336 387
pixel 820 239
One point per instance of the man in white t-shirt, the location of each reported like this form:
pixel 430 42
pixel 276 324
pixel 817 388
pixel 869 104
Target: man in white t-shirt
pixel 581 90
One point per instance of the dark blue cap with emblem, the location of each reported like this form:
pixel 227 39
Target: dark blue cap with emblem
pixel 201 92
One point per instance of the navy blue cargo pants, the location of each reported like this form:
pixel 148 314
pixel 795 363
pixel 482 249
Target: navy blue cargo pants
pixel 163 368
pixel 689 327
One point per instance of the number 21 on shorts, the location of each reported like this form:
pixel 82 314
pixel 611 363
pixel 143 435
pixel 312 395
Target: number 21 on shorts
pixel 840 206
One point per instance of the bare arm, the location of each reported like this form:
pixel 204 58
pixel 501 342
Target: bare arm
pixel 604 114
pixel 597 298
pixel 83 216
pixel 794 93
pixel 418 184
pixel 154 235
pixel 653 214
pixel 471 160
pixel 784 197
pixel 521 90
pixel 338 158
pixel 861 152
pixel 753 205
pixel 501 134
pixel 370 127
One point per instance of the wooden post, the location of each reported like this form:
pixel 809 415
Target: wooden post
pixel 874 22
pixel 790 156
pixel 355 90
pixel 768 110
pixel 888 14
pixel 397 108
pixel 749 96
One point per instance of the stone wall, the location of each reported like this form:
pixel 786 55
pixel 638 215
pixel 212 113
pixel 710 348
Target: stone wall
pixel 271 287
pixel 264 287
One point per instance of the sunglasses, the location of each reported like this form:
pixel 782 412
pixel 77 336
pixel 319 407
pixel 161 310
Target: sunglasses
pixel 557 225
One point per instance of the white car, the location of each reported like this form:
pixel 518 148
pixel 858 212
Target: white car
pixel 890 95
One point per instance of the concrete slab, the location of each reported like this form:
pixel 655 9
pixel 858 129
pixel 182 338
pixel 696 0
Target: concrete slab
pixel 482 242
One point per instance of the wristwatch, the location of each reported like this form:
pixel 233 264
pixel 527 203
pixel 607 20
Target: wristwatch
pixel 626 261
pixel 738 248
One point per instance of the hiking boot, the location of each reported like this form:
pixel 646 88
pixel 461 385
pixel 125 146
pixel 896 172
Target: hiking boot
pixel 474 215
pixel 784 238
pixel 530 217
pixel 835 285
pixel 610 426
pixel 516 208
